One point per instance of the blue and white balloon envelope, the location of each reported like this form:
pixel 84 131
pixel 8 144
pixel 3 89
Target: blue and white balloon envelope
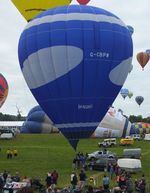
pixel 75 60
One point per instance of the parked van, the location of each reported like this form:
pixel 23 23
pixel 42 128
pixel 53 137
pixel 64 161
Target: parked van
pixel 6 134
pixel 132 153
pixel 127 141
pixel 130 165
pixel 147 137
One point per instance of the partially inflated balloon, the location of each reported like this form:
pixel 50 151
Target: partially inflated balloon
pixel 75 60
pixel 31 8
pixel 139 100
pixel 37 122
pixel 124 92
pixel 83 2
pixel 143 58
pixel 3 90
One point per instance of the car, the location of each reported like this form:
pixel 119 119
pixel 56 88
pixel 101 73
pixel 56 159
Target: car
pixel 101 154
pixel 107 142
pixel 101 164
pixel 127 141
pixel 136 137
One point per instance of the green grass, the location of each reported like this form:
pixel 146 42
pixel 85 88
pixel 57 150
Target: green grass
pixel 40 153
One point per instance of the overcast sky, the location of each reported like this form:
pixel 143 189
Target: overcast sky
pixel 133 12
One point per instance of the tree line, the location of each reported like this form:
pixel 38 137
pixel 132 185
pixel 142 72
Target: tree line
pixel 7 117
pixel 139 118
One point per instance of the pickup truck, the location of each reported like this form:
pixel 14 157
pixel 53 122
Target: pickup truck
pixel 100 154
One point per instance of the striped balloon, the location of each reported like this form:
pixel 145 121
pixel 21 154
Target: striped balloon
pixel 3 90
pixel 143 58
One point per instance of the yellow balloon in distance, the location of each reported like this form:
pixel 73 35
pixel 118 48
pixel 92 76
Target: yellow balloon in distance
pixel 31 8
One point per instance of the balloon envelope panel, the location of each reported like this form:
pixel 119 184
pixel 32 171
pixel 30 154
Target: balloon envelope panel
pixel 30 9
pixel 75 60
pixel 140 128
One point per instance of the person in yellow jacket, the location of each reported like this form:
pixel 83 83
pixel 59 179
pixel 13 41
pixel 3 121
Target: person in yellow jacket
pixel 15 152
pixel 8 152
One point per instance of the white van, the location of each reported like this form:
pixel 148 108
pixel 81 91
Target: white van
pixel 6 134
pixel 130 165
pixel 147 137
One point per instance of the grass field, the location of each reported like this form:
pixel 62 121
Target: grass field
pixel 40 153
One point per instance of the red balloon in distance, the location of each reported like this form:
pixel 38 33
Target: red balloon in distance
pixel 143 58
pixel 83 2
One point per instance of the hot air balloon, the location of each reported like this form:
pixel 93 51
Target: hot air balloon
pixel 124 92
pixel 37 122
pixel 147 51
pixel 130 94
pixel 30 9
pixel 131 29
pixel 3 90
pixel 143 58
pixel 75 60
pixel 83 2
pixel 140 128
pixel 139 100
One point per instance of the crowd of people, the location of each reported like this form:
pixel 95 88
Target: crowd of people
pixel 79 183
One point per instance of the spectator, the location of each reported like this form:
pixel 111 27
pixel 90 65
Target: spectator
pixel 1 183
pixel 90 189
pixel 74 180
pixel 54 177
pixel 16 177
pixel 142 186
pixel 48 180
pixel 5 174
pixel 8 153
pixel 105 181
pixel 111 171
pixel 129 185
pixel 82 178
pixel 15 152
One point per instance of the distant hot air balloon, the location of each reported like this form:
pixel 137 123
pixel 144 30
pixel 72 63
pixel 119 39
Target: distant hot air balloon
pixel 143 58
pixel 72 69
pixel 130 94
pixel 147 51
pixel 83 2
pixel 131 29
pixel 3 90
pixel 124 92
pixel 139 100
pixel 31 8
